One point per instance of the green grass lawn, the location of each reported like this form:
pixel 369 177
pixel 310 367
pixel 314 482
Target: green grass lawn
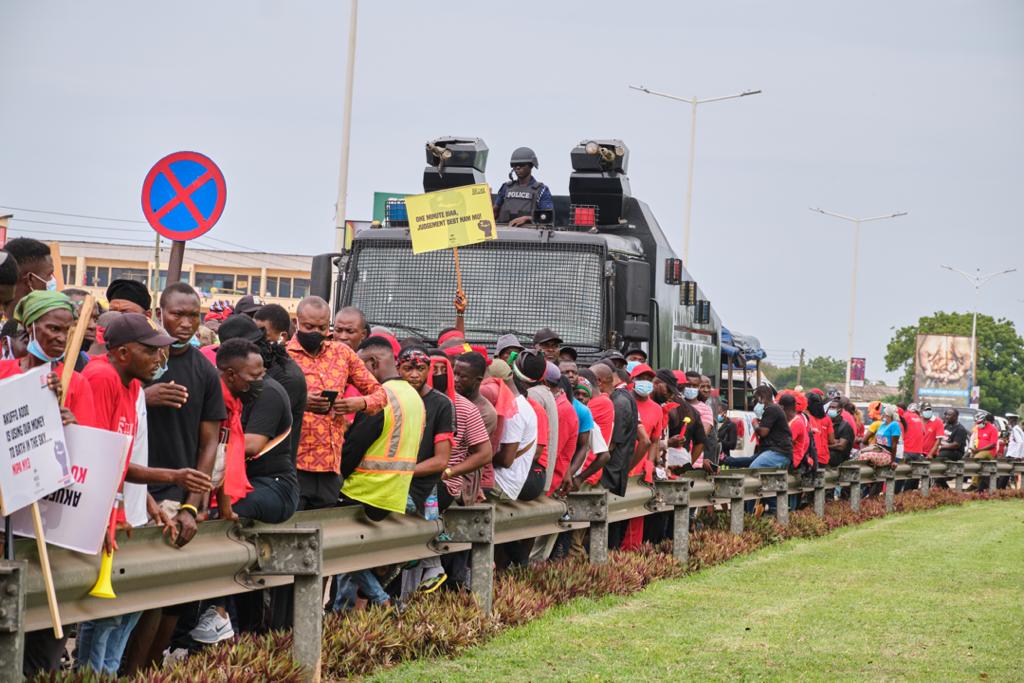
pixel 932 596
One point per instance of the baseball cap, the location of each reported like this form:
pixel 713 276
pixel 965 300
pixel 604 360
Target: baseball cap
pixel 980 417
pixel 641 369
pixel 551 373
pixel 1012 416
pixel 637 350
pixel 240 327
pixel 668 378
pixel 546 334
pixel 925 405
pixel 507 341
pixel 569 351
pixel 614 355
pixel 135 327
pixel 249 304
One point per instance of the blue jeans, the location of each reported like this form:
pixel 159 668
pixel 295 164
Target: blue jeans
pixel 366 581
pixel 273 500
pixel 771 460
pixel 101 642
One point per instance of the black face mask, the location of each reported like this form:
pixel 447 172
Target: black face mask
pixel 272 353
pixel 816 409
pixel 440 382
pixel 310 341
pixel 255 389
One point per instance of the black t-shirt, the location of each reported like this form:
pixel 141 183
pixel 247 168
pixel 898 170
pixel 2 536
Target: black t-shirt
pixel 727 436
pixel 289 375
pixel 270 415
pixel 174 432
pixel 779 438
pixel 958 435
pixel 694 434
pixel 843 431
pixel 440 419
pixel 623 442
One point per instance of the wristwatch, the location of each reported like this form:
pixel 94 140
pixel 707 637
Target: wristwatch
pixel 447 473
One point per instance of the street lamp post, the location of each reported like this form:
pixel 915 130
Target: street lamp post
pixel 976 280
pixel 853 280
pixel 693 102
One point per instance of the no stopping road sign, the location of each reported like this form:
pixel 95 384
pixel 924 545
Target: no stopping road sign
pixel 183 195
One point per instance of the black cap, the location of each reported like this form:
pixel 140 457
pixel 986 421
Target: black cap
pixel 239 327
pixel 637 350
pixel 135 327
pixel 249 304
pixel 546 334
pixel 569 351
pixel 130 290
pixel 614 355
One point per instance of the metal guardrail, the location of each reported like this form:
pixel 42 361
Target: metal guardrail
pixel 226 558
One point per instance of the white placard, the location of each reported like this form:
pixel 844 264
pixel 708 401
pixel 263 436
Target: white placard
pixel 76 517
pixel 34 458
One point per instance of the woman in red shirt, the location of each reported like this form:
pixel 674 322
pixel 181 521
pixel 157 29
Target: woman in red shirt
pixel 48 316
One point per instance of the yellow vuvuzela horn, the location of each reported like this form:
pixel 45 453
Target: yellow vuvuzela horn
pixel 103 587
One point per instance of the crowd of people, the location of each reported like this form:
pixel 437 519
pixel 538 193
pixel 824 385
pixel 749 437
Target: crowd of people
pixel 246 412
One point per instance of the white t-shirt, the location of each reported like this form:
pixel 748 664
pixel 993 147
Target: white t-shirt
pixel 135 494
pixel 1015 448
pixel 521 428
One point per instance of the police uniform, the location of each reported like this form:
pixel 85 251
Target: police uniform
pixel 518 199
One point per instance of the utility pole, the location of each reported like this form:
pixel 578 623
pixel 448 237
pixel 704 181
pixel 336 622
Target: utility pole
pixel 346 130
pixel 800 369
pixel 693 102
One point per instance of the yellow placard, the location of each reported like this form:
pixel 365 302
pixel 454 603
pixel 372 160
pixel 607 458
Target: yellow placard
pixel 450 218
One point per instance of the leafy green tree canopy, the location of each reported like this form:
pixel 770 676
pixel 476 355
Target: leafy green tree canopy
pixel 818 372
pixel 1000 356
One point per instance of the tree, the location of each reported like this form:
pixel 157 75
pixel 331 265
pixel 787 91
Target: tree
pixel 818 372
pixel 1000 356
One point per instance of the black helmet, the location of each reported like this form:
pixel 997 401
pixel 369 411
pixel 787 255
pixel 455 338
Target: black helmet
pixel 524 155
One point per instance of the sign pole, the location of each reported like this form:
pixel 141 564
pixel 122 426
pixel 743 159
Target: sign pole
pixel 176 259
pixel 458 271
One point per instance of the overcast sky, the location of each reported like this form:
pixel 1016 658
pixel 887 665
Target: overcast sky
pixel 868 108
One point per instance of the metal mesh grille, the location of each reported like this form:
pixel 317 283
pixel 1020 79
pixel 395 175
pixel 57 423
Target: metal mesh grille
pixel 512 287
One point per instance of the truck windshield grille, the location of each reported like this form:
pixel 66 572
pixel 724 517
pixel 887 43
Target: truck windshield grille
pixel 511 287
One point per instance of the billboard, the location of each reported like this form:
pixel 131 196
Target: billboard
pixel 942 369
pixel 857 371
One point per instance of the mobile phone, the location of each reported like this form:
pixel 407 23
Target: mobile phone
pixel 331 396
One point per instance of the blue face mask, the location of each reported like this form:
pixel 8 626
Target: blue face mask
pixel 927 414
pixel 721 418
pixel 36 350
pixel 643 387
pixel 833 413
pixel 690 393
pixel 632 364
pixel 759 411
pixel 159 372
pixel 180 344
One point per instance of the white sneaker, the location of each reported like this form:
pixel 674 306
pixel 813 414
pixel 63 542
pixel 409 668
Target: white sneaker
pixel 212 628
pixel 172 657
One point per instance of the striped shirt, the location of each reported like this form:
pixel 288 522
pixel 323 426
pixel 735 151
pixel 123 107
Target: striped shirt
pixel 470 431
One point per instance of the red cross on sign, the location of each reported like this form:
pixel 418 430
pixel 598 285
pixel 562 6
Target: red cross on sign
pixel 183 195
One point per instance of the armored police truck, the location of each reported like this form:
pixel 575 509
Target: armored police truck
pixel 597 269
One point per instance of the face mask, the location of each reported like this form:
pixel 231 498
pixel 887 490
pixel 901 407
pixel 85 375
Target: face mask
pixel 721 418
pixel 631 364
pixel 37 350
pixel 51 284
pixel 690 393
pixel 833 413
pixel 759 411
pixel 927 414
pixel 254 391
pixel 182 344
pixel 310 341
pixel 643 387
pixel 159 372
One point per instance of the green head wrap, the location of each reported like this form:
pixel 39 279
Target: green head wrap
pixel 36 304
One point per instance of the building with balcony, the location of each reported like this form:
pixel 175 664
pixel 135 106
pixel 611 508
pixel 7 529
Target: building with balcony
pixel 216 275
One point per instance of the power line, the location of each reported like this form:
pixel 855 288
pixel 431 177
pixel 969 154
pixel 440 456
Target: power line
pixel 74 215
pixel 68 234
pixel 78 225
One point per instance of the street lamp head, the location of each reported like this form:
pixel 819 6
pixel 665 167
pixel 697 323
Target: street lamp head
pixel 898 214
pixel 750 92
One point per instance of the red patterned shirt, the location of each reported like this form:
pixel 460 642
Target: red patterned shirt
pixel 333 368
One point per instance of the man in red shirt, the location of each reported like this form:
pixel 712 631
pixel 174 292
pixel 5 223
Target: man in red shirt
pixel 933 429
pixel 986 438
pixel 820 426
pixel 652 424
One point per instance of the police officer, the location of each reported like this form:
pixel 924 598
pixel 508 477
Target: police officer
pixel 522 194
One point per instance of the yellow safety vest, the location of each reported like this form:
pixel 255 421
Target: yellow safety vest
pixel 383 476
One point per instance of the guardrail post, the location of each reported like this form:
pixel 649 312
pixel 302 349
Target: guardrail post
pixel 990 469
pixel 955 469
pixel 12 610
pixel 849 474
pixel 776 481
pixel 591 506
pixel 730 487
pixel 889 475
pixel 299 553
pixel 922 471
pixel 676 493
pixel 1018 468
pixel 816 480
pixel 475 524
